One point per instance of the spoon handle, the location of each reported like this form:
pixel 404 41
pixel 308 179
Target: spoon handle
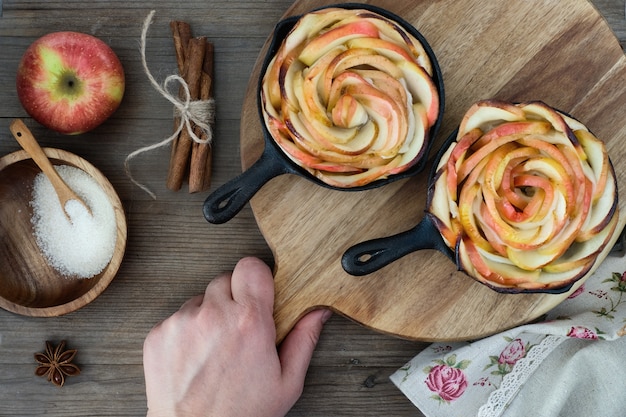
pixel 28 142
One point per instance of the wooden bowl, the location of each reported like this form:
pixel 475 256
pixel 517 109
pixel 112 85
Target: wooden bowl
pixel 28 285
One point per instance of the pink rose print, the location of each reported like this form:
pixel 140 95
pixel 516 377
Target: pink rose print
pixel 576 293
pixel 512 353
pixel 448 382
pixel 580 332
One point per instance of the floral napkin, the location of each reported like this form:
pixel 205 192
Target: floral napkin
pixel 519 371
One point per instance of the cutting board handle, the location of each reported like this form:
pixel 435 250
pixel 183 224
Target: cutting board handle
pixel 369 256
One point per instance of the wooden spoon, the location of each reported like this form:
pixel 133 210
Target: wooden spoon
pixel 28 142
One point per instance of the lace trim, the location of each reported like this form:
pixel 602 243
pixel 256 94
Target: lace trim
pixel 512 382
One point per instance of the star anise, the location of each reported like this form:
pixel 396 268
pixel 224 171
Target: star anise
pixel 55 363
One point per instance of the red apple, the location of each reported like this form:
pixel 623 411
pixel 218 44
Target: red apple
pixel 70 82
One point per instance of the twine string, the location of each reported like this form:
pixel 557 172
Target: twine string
pixel 190 113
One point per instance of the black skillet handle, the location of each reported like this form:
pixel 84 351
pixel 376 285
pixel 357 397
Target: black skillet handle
pixel 368 257
pixel 228 200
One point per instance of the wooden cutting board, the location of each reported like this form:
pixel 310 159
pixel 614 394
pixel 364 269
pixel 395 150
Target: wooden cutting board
pixel 562 52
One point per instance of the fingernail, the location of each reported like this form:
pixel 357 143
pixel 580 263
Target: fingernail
pixel 327 315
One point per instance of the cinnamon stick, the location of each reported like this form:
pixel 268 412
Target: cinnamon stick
pixel 181 32
pixel 201 153
pixel 181 146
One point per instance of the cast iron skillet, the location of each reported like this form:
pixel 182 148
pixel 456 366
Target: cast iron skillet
pixel 369 256
pixel 225 202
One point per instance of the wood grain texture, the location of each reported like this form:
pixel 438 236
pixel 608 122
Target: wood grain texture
pixel 30 286
pixel 483 53
pixel 172 252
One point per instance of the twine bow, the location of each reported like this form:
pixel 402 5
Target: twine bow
pixel 190 113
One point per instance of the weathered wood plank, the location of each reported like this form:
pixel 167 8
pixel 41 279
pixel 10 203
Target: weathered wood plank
pixel 172 251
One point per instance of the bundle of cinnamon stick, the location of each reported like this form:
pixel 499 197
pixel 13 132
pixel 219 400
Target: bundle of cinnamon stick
pixel 189 159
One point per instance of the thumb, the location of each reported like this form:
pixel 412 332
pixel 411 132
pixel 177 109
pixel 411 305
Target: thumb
pixel 297 348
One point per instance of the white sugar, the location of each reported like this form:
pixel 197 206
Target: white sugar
pixel 82 245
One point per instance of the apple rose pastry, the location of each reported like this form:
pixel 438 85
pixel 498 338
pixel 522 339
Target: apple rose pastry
pixel 349 96
pixel 526 196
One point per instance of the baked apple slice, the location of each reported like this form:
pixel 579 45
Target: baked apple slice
pixel 526 196
pixel 349 96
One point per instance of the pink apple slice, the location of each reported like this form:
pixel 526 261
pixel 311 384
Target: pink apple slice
pixel 483 114
pixel 421 85
pixel 499 136
pixel 315 78
pixel 362 178
pixel 601 215
pixel 327 41
pixel 358 144
pixel 353 88
pixel 581 254
pixel 537 198
pixel 394 33
pixel 542 111
pixel 348 112
pixel 598 159
pixel 416 139
pixel 395 52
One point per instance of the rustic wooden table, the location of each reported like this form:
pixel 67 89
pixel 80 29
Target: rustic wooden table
pixel 172 251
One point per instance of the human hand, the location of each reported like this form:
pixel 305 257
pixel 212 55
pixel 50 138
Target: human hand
pixel 217 355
